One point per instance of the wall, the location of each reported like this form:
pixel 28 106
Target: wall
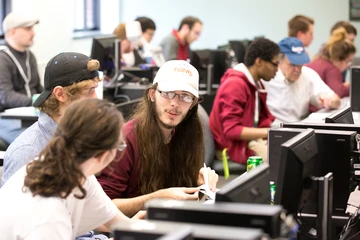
pixel 241 19
pixel 223 20
pixel 54 33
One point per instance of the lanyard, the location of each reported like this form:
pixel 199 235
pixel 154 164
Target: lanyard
pixel 257 104
pixel 27 77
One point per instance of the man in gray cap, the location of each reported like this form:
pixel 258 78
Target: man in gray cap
pixel 19 77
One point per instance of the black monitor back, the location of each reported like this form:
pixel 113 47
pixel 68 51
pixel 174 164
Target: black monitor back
pixel 103 49
pixel 260 216
pixel 220 61
pixel 355 89
pixel 343 115
pixel 239 48
pixel 250 187
pixel 152 229
pixel 334 154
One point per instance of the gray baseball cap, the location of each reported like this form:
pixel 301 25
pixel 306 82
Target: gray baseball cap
pixel 15 20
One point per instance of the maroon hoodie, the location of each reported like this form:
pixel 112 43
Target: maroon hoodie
pixel 233 109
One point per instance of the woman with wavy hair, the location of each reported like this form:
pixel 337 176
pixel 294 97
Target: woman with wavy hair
pixel 57 195
pixel 336 56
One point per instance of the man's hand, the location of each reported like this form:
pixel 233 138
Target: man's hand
pixel 329 101
pixel 179 193
pixel 140 215
pixel 260 148
pixel 213 178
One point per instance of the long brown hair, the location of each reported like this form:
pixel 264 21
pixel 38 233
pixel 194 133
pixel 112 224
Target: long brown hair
pixel 163 165
pixel 338 48
pixel 88 128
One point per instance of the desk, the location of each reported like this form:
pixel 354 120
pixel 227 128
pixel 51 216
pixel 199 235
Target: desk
pixel 27 115
pixel 319 116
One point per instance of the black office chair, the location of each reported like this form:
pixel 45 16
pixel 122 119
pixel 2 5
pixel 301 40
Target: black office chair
pixel 209 146
pixel 3 145
pixel 128 108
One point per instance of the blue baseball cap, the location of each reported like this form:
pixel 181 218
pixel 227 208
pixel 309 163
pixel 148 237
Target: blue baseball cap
pixel 294 50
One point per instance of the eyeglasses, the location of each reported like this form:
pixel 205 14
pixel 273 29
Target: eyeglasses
pixel 348 62
pixel 121 147
pixel 274 64
pixel 182 97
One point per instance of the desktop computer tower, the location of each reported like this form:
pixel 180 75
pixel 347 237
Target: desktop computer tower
pixel 355 89
pixel 260 216
pixel 152 229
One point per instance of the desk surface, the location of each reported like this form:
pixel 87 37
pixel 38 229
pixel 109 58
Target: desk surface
pixel 27 115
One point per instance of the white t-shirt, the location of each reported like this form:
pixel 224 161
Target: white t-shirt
pixel 26 217
pixel 289 101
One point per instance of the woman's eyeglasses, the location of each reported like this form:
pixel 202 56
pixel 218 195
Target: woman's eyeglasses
pixel 121 147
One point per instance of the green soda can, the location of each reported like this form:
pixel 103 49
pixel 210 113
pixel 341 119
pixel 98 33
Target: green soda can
pixel 253 162
pixel 272 192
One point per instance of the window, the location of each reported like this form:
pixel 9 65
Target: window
pixel 4 10
pixel 87 15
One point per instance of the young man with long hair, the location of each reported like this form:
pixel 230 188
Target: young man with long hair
pixel 57 196
pixel 165 152
pixel 68 76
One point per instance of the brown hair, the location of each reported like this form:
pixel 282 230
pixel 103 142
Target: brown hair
pixel 338 48
pixel 120 31
pixel 348 27
pixel 299 23
pixel 89 128
pixel 163 165
pixel 51 105
pixel 190 21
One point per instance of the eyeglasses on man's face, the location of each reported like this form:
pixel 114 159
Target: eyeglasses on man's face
pixel 273 63
pixel 121 147
pixel 182 97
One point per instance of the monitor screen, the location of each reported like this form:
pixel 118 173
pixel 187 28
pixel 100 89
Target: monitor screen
pixel 250 187
pixel 200 59
pixel 239 48
pixel 297 167
pixel 343 115
pixel 103 49
pixel 220 61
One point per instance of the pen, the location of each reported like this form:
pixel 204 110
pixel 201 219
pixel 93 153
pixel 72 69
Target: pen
pixel 206 176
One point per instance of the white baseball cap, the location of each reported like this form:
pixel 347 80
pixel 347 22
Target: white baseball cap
pixel 14 20
pixel 178 75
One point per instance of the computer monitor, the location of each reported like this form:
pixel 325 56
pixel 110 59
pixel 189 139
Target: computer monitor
pixel 200 59
pixel 220 61
pixel 239 48
pixel 297 167
pixel 153 229
pixel 343 115
pixel 106 50
pixel 335 154
pixel 250 187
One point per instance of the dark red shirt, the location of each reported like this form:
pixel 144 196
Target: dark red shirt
pixel 183 50
pixel 121 178
pixel 331 75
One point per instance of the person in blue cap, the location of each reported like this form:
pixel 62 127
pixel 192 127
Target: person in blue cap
pixel 295 86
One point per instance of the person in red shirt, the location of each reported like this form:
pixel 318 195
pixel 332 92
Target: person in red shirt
pixel 239 113
pixel 336 56
pixel 176 44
